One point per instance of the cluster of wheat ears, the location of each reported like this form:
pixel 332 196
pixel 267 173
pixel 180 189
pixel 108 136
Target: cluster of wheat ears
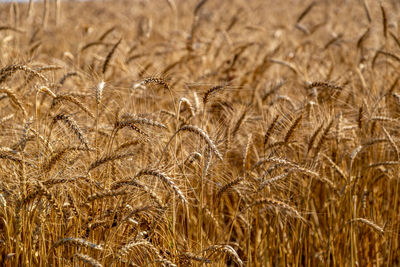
pixel 181 133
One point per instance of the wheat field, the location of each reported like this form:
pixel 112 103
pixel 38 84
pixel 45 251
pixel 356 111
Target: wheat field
pixel 200 133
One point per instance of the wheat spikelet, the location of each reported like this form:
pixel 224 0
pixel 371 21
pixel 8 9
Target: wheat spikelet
pixel 333 40
pixel 95 43
pixel 3 201
pixel 75 241
pixel 169 113
pixel 211 217
pixel 6 118
pixel 66 76
pixel 384 21
pixel 106 33
pixel 363 37
pixel 156 80
pixel 383 119
pixel 277 144
pixel 371 224
pixel 191 256
pixel 314 137
pixel 246 151
pixel 275 88
pixel 204 136
pixel 106 159
pixel 71 203
pixel 275 160
pixel 292 128
pixel 42 139
pixel 137 184
pixel 226 249
pixel 210 92
pixel 57 156
pixel 397 41
pixel 69 98
pixel 128 247
pixel 305 12
pixel 324 84
pixel 127 145
pixel 192 157
pixel 166 179
pixel 6 150
pixel 5 155
pixel 239 122
pixel 273 180
pixel 397 97
pixel 286 64
pixel 129 118
pixel 323 137
pixel 270 130
pixel 360 117
pixel 46 90
pixel 109 56
pixel 196 102
pixel 198 6
pixel 367 12
pixel 271 169
pixel 279 204
pixel 9 70
pixel 355 152
pixel 384 163
pixel 99 92
pixel 207 162
pixel 88 260
pixel 108 193
pixel 227 187
pixel 186 102
pixel 150 249
pixel 38 192
pixel 294 167
pixel 13 98
pixel 54 181
pixel 20 146
pixel 337 168
pixel 284 98
pixel 17 217
pixel 71 124
pixel 384 53
pixel 10 28
pixel 302 28
pixel 392 143
pixel 42 190
pixel 98 224
pixel 120 124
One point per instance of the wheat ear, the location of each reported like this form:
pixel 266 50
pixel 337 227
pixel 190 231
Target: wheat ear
pixel 88 260
pixel 109 56
pixel 166 179
pixel 13 98
pixel 71 124
pixel 75 241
